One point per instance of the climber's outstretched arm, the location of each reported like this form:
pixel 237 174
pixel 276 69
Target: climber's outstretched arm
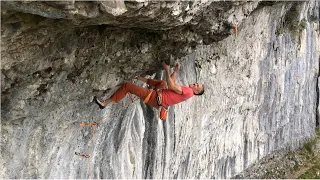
pixel 171 80
pixel 174 74
pixel 142 79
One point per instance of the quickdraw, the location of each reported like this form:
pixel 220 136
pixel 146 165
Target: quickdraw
pixel 236 30
pixel 83 155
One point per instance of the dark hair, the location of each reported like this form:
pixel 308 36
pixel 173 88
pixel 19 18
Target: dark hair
pixel 201 92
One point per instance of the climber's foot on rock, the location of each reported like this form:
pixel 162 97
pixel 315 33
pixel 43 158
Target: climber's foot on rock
pixel 100 104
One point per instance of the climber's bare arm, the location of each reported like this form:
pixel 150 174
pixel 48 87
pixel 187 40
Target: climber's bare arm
pixel 142 79
pixel 171 80
pixel 174 74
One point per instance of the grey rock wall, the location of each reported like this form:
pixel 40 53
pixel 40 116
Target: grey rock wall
pixel 261 93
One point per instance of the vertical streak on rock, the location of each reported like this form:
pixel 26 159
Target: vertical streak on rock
pixel 318 84
pixel 149 144
pixel 317 104
pixel 245 152
pixel 317 88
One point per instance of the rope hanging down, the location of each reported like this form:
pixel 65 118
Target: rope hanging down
pixel 94 125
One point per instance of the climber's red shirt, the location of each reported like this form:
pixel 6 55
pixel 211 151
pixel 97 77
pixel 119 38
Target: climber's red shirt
pixel 170 98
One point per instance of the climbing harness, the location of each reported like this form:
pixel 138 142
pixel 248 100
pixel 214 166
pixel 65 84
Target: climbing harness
pixel 147 99
pixel 163 110
pixel 94 125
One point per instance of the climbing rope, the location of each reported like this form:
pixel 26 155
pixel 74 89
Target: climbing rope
pixel 94 125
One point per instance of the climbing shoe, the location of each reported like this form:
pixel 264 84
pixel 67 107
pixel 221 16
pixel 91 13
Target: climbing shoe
pixel 98 102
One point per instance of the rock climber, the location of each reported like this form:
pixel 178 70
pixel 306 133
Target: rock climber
pixel 160 96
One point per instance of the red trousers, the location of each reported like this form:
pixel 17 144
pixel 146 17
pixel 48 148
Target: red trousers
pixel 140 91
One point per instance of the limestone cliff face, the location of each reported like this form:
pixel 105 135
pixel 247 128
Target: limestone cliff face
pixel 261 86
